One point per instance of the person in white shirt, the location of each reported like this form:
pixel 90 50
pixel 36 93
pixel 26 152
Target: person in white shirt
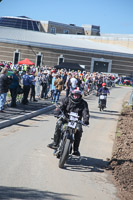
pixel 73 82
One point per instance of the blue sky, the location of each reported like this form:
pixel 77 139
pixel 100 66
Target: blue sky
pixel 113 16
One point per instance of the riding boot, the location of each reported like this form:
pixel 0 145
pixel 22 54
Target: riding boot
pixel 57 137
pixel 57 134
pixel 76 144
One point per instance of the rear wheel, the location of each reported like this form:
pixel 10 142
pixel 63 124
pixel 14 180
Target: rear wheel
pixel 65 153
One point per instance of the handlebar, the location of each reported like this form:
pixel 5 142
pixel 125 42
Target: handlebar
pixel 81 122
pixel 65 118
pixel 62 115
pixel 103 93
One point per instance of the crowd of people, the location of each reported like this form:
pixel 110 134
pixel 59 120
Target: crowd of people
pixel 46 82
pixel 43 83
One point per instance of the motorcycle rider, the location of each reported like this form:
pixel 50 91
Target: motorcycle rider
pixel 72 103
pixel 103 90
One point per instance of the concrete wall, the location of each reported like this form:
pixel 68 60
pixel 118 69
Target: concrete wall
pixel 45 27
pixel 125 42
pixel 120 65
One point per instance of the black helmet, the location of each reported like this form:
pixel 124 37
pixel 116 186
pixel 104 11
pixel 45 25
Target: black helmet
pixel 76 96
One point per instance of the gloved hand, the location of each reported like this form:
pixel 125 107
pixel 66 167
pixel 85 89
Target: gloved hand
pixel 57 116
pixel 64 118
pixel 57 112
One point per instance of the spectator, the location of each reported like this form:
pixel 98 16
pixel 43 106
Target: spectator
pixel 64 79
pixel 4 85
pixel 82 85
pixel 44 83
pixel 58 83
pixel 13 88
pixel 49 82
pixel 120 81
pixel 33 82
pixel 79 81
pixel 53 87
pixel 26 87
pixel 38 83
pixel 74 83
pixel 68 85
pixel 33 70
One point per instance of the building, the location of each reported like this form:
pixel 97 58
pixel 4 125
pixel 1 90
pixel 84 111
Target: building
pixel 91 30
pixel 54 27
pixel 51 49
pixel 26 23
pixel 21 22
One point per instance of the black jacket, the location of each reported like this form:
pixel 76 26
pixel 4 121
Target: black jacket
pixel 64 78
pixel 4 83
pixel 81 108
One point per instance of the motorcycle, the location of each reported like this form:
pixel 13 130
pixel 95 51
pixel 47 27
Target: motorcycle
pixel 68 131
pixel 103 99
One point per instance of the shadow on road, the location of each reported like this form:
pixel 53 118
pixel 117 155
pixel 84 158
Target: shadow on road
pixel 107 112
pixel 85 164
pixel 32 194
pixel 113 112
pixel 102 118
pixel 25 125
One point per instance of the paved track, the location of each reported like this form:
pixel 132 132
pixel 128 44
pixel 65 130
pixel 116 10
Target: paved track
pixel 28 169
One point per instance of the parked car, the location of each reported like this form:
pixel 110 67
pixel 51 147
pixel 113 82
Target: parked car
pixel 127 81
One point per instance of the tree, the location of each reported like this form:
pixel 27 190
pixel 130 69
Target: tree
pixel 0 0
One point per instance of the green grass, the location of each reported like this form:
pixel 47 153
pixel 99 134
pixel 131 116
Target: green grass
pixel 125 105
pixel 118 134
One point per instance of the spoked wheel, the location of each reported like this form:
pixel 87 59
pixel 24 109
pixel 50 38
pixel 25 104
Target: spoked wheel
pixel 65 153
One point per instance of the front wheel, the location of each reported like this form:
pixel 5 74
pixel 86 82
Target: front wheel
pixel 64 153
pixel 100 106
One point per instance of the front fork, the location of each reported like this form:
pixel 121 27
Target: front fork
pixel 68 135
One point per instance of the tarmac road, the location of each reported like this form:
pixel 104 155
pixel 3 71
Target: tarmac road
pixel 28 169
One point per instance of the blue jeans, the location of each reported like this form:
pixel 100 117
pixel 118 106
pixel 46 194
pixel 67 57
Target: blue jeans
pixel 120 83
pixel 49 88
pixel 56 96
pixel 2 100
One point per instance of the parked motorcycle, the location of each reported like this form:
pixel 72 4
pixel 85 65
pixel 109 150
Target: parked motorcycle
pixel 68 131
pixel 103 99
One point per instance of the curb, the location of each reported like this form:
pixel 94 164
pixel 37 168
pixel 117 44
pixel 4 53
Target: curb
pixel 26 116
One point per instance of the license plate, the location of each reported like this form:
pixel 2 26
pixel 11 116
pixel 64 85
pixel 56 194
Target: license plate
pixel 102 97
pixel 73 118
pixel 72 124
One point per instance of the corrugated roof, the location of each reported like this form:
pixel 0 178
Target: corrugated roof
pixel 58 41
